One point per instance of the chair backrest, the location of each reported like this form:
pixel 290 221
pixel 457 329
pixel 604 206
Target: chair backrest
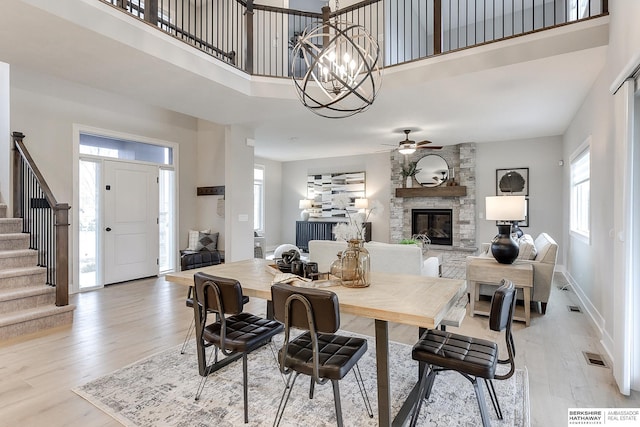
pixel 218 294
pixel 323 314
pixel 502 306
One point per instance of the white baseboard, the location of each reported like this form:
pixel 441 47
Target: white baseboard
pixel 594 316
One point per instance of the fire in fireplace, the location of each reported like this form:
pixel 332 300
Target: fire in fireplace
pixel 435 223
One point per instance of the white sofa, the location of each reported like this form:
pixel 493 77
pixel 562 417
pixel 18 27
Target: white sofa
pixel 385 257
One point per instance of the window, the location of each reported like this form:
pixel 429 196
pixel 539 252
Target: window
pixel 580 193
pixel 258 198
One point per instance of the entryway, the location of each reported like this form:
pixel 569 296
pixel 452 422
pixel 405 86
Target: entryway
pixel 125 210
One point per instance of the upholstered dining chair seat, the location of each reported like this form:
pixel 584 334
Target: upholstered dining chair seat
pixel 474 356
pixel 337 354
pixel 244 333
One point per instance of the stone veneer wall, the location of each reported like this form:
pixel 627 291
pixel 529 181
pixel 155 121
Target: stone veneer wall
pixel 462 158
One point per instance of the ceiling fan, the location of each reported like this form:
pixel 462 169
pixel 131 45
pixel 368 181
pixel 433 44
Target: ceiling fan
pixel 408 146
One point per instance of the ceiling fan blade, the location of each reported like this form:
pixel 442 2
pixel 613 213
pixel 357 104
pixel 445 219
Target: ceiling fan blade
pixel 430 147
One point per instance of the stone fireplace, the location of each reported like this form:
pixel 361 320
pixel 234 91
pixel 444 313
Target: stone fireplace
pixel 436 224
pixel 461 201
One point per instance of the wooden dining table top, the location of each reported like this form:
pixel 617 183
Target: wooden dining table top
pixel 414 300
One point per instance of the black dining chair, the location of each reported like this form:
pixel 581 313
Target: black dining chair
pixel 234 332
pixel 189 303
pixel 318 352
pixel 472 357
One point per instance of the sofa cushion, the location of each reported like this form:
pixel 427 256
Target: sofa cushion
pixel 528 249
pixel 194 235
pixel 207 242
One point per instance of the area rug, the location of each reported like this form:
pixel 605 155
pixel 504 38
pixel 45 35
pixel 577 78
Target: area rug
pixel 159 391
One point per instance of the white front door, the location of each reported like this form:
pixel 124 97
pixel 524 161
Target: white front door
pixel 130 221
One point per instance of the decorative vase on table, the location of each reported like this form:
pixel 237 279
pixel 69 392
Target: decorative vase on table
pixel 356 265
pixel 409 182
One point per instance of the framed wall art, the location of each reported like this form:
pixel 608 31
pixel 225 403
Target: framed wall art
pixel 322 188
pixel 512 182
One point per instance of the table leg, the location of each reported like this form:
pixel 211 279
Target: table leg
pixel 382 370
pixel 527 304
pixel 473 296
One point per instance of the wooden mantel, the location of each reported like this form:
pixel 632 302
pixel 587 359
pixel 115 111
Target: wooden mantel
pixel 452 191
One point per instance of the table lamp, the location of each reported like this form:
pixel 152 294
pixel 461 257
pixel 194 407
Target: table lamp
pixel 305 204
pixel 505 208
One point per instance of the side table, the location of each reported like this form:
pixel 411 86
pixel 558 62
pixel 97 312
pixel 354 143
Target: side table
pixel 491 272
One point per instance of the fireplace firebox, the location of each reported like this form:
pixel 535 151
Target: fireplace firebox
pixel 435 223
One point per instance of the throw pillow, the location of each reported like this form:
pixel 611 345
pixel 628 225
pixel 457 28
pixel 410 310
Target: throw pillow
pixel 193 239
pixel 528 249
pixel 207 242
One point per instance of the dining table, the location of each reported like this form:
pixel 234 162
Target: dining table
pixel 420 301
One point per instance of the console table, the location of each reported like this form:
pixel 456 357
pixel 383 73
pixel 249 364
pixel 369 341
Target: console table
pixel 491 272
pixel 320 230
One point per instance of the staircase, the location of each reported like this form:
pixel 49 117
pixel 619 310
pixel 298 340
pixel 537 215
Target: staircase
pixel 27 303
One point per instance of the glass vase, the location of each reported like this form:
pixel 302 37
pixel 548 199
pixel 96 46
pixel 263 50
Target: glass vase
pixel 356 265
pixel 336 267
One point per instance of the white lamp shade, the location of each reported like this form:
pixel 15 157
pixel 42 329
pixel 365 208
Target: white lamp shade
pixel 505 208
pixel 304 204
pixel 362 203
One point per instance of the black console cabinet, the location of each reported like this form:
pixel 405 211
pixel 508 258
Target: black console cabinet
pixel 317 230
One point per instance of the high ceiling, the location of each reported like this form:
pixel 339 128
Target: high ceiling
pixel 521 88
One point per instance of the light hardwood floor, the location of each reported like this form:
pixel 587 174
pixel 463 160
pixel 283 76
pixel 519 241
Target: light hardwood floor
pixel 123 323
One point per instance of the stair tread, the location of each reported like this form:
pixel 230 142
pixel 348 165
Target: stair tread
pixel 21 271
pixel 24 292
pixel 33 313
pixel 10 253
pixel 14 236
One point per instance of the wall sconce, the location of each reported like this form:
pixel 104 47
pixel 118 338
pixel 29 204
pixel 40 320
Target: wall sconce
pixel 305 204
pixel 505 208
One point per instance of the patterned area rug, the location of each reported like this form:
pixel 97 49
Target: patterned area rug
pixel 159 391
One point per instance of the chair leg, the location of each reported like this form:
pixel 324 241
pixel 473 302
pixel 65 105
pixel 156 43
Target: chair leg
pixel 494 397
pixel 275 357
pixel 312 387
pixel 363 390
pixel 285 398
pixel 186 338
pixel 336 401
pixel 544 308
pixel 245 388
pixel 203 380
pixel 422 390
pixel 481 404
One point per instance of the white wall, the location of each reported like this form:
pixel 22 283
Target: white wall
pixel 589 265
pixel 5 138
pixel 239 194
pixel 210 172
pixel 45 109
pixel 378 186
pixel 541 156
pixel 273 201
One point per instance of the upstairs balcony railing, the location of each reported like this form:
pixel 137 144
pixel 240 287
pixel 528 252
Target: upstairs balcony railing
pixel 259 39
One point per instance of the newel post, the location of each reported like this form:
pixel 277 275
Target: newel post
pixel 61 219
pixel 437 27
pixel 18 185
pixel 248 65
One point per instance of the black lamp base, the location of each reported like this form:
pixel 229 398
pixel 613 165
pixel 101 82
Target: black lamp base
pixel 504 249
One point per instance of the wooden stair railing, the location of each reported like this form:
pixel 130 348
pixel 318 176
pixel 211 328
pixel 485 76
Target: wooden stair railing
pixel 46 220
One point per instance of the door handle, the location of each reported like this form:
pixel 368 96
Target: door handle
pixel 108 229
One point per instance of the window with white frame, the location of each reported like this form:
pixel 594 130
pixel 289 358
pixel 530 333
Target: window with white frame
pixel 579 222
pixel 258 198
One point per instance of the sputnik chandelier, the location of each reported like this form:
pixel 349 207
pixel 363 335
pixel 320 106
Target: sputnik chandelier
pixel 339 68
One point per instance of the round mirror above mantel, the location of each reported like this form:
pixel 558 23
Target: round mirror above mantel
pixel 434 171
